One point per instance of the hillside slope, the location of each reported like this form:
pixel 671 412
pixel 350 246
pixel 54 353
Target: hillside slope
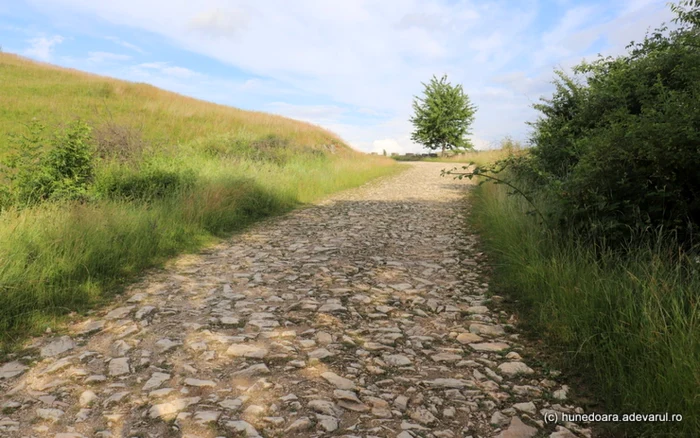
pixel 54 94
pixel 145 174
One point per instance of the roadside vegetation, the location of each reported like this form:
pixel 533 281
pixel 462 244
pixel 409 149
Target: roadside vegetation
pixel 594 238
pixel 103 178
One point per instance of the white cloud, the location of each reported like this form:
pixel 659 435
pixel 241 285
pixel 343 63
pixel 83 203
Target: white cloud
pixel 390 145
pixel 220 22
pixel 42 47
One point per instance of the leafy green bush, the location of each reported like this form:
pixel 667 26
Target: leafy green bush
pixel 40 168
pixel 617 147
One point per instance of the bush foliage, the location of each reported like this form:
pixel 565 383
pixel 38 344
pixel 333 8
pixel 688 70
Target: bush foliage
pixel 41 168
pixel 617 146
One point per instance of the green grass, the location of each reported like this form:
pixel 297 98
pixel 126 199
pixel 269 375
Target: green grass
pixel 628 323
pixel 231 167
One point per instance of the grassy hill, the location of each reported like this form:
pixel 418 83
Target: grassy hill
pixel 144 175
pixel 56 95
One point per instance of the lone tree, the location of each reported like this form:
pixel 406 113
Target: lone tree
pixel 443 116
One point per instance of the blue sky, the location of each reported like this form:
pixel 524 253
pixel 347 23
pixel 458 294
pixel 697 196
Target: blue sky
pixel 351 66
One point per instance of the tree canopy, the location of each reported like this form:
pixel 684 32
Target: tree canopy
pixel 443 116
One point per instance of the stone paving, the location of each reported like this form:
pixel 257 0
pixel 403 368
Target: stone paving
pixel 363 316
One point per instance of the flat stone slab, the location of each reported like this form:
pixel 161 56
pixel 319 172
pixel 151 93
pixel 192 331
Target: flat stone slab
pixel 338 382
pixel 119 366
pixel 468 338
pixel 244 350
pixel 58 346
pixel 397 360
pixel 487 329
pixel 12 369
pixel 495 347
pixel 120 312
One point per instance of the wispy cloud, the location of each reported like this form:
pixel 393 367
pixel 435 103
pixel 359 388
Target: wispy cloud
pixel 42 47
pixel 169 70
pixel 126 44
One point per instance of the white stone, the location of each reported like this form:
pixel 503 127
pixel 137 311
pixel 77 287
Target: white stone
pixel 515 368
pixel 327 422
pixel 527 407
pixel 86 398
pixel 171 408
